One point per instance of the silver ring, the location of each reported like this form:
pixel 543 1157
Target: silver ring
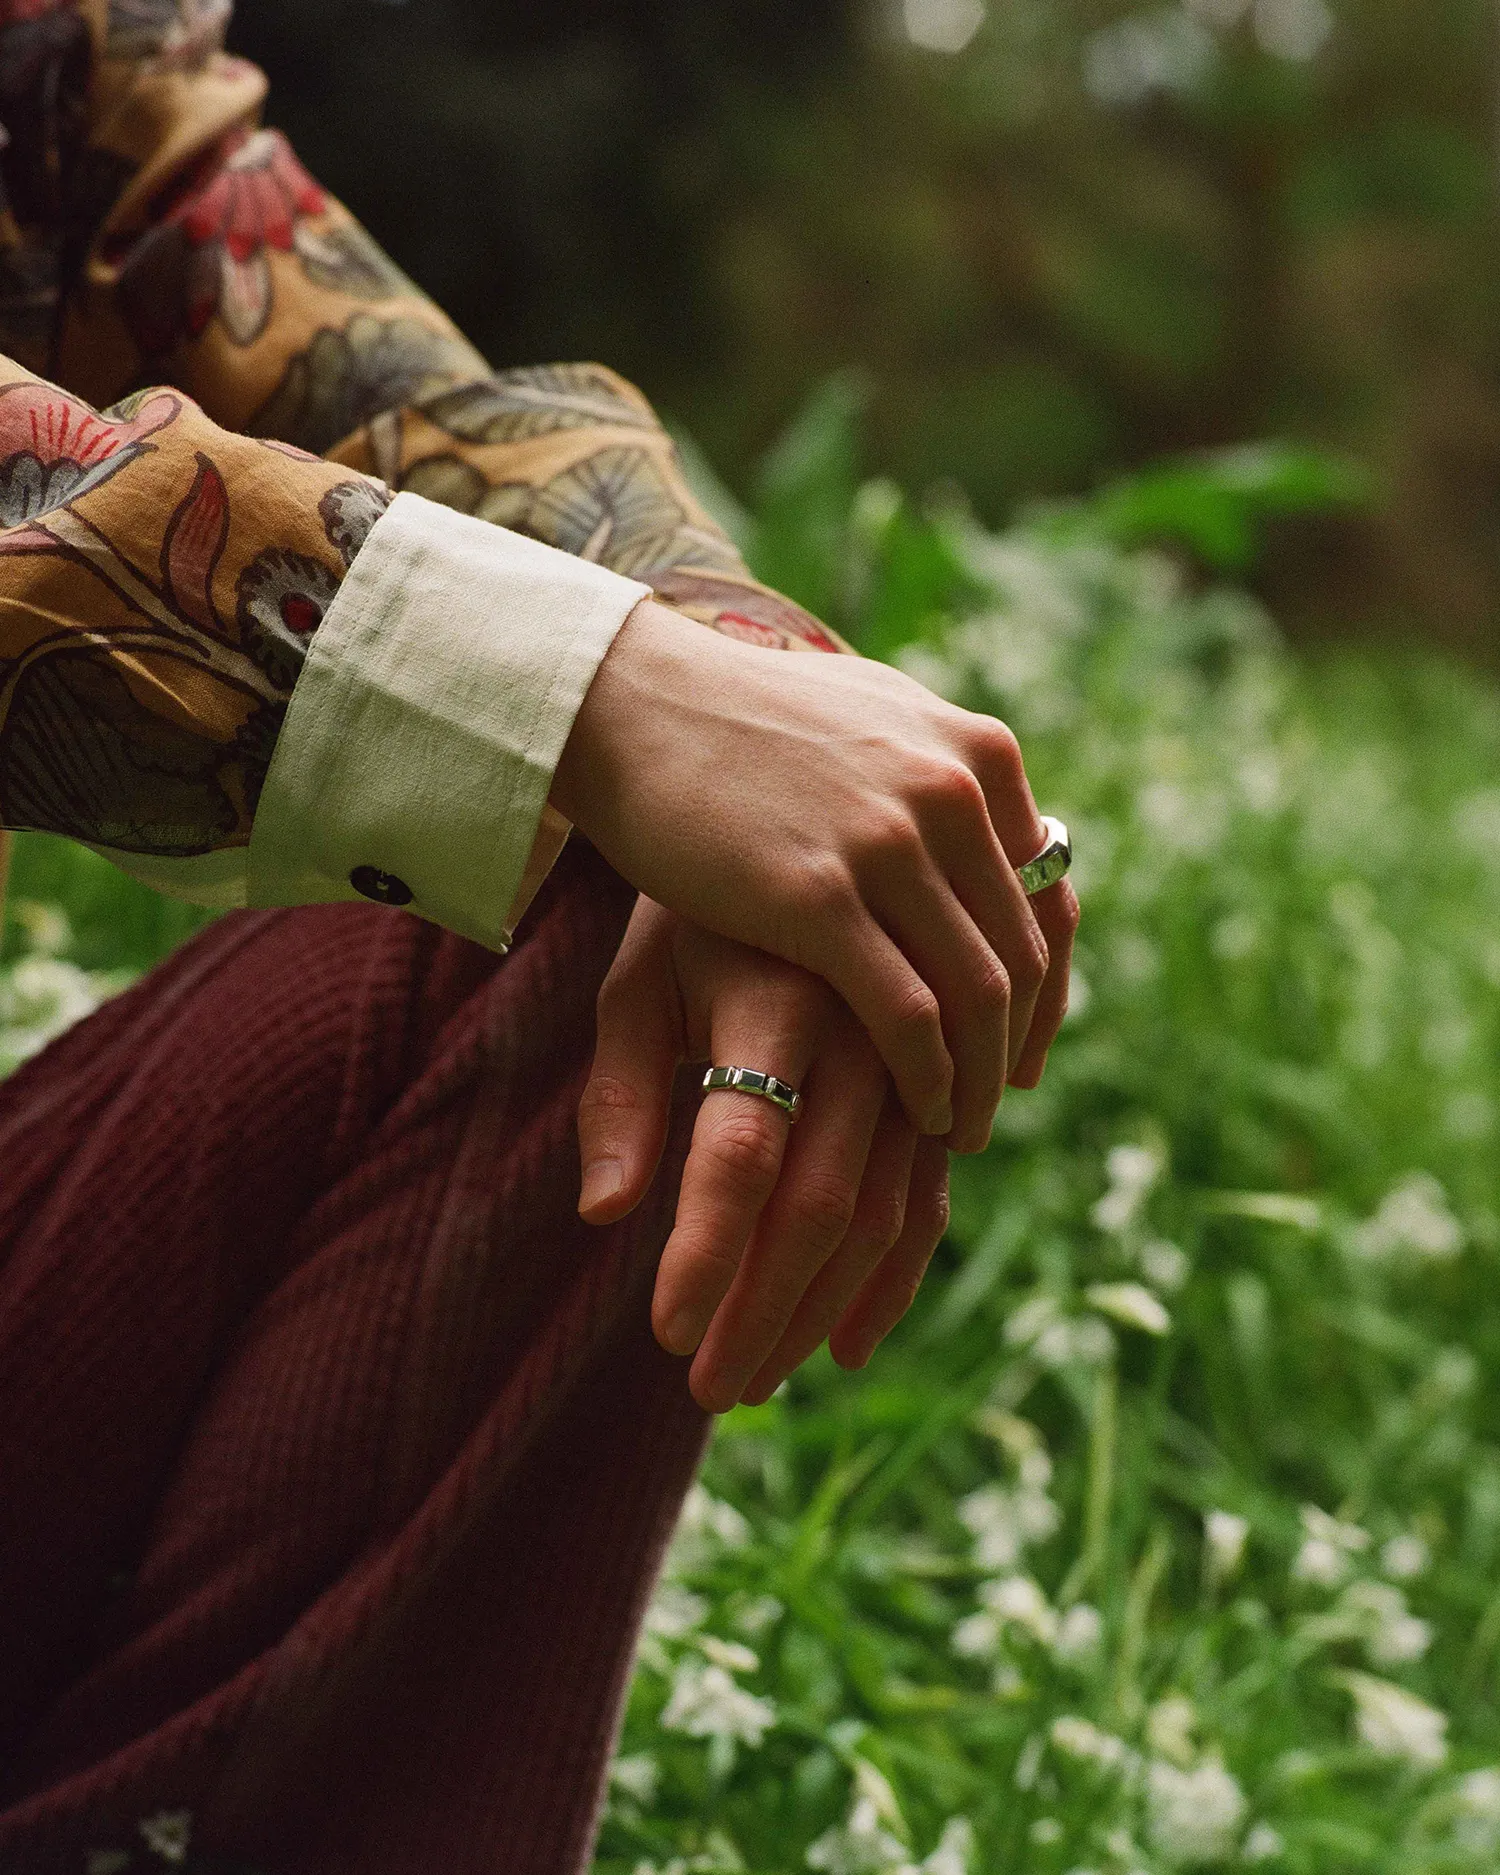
pixel 752 1081
pixel 1053 863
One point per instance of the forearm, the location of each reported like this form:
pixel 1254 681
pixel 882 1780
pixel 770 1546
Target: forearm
pixel 225 269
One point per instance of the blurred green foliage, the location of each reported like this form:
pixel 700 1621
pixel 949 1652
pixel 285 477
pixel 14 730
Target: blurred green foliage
pixel 1103 233
pixel 1165 1533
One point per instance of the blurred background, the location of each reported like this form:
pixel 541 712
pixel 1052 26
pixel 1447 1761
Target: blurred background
pixel 1051 239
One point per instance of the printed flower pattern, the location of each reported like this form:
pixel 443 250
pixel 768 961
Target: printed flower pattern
pixel 160 587
pixel 54 450
pixel 283 597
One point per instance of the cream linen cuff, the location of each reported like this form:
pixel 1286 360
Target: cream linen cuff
pixel 423 733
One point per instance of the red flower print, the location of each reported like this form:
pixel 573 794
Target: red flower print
pixel 55 449
pixel 254 201
pixel 209 258
pixel 751 631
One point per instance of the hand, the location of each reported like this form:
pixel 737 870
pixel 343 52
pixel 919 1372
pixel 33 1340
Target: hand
pixel 832 812
pixel 785 1235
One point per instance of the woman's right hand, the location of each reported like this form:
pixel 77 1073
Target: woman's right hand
pixel 832 812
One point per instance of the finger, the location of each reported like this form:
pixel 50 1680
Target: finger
pixel 807 1219
pixel 995 755
pixel 989 889
pixel 625 1110
pixel 973 988
pixel 892 1289
pixel 900 1013
pixel 739 1142
pixel 877 1227
pixel 1057 912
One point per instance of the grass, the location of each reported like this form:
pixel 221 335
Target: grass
pixel 1166 1531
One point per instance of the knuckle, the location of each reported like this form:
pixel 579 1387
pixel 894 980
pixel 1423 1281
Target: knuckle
pixel 996 746
pixel 1068 914
pixel 748 1153
pixel 887 1221
pixel 954 787
pixel 824 890
pixel 994 986
pixel 889 836
pixel 1033 963
pixel 916 1014
pixel 824 1207
pixel 933 1214
pixel 607 1095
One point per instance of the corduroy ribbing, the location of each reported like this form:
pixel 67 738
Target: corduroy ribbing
pixel 339 1459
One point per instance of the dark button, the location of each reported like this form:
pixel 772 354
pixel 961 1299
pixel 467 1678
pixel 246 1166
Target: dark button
pixel 384 887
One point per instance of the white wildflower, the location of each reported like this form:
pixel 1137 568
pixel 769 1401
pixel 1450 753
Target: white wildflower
pixel 733 1655
pixel 1079 1635
pixel 1295 30
pixel 675 1612
pixel 1327 1545
pixel 872 1786
pixel 49 933
pixel 168 1834
pixel 1391 1634
pixel 1224 1538
pixel 1082 1342
pixel 637 1777
pixel 1413 1219
pixel 1083 1740
pixel 862 1846
pixel 1029 1763
pixel 1130 1304
pixel 1476 1812
pixel 1058 1340
pixel 1133 1172
pixel 1018 1602
pixel 707 1702
pixel 1405 1557
pixel 706 1527
pixel 1008 1681
pixel 977 1637
pixel 1171 1725
pixel 1193 1816
pixel 1263 1844
pixel 1003 1523
pixel 1036 1314
pixel 943 25
pixel 1395 1723
pixel 1165 1265
pixel 40 999
pixel 1045 1831
pixel 954 1854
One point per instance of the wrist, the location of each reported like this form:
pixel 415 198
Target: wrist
pixel 633 679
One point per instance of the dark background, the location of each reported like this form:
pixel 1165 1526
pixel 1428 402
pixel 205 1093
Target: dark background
pixel 1042 283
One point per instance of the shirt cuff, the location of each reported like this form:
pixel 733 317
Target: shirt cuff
pixel 425 728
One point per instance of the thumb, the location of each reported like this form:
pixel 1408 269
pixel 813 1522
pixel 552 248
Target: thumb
pixel 626 1107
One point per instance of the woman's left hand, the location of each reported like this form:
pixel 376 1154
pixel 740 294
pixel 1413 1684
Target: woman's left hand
pixel 785 1236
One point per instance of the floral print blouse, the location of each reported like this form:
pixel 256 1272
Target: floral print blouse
pixel 248 378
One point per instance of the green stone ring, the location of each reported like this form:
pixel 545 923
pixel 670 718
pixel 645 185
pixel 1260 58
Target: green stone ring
pixel 1053 862
pixel 752 1081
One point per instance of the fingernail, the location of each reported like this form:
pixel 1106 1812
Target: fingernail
pixel 683 1332
pixel 940 1122
pixel 601 1182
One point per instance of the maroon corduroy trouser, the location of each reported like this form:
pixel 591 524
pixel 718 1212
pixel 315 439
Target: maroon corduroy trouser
pixel 336 1457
